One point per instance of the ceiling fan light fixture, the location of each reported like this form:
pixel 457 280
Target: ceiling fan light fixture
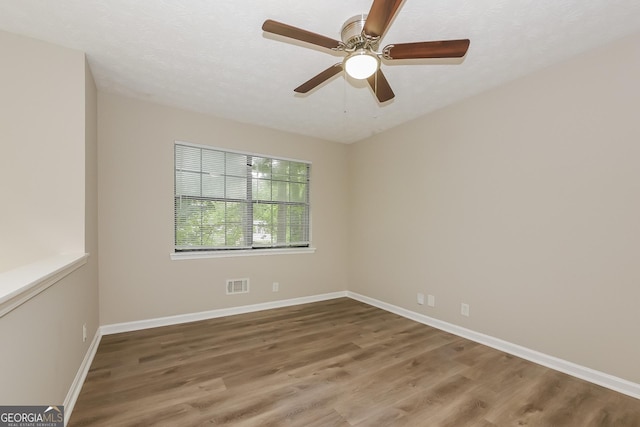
pixel 361 64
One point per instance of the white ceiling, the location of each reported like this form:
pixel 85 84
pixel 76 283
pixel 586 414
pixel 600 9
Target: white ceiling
pixel 211 56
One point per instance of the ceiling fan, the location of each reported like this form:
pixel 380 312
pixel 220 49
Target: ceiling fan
pixel 361 36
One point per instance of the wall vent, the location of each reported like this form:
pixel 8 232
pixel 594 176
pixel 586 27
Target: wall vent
pixel 237 286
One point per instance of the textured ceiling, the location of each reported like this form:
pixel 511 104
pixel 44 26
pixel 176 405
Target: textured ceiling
pixel 212 56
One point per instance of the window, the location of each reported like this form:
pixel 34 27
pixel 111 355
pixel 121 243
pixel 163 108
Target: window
pixel 227 200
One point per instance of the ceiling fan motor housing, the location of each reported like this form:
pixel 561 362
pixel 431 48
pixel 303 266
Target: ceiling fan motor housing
pixel 351 33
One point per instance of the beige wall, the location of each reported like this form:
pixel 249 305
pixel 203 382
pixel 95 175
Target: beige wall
pixel 42 347
pixel 42 166
pixel 88 308
pixel 138 280
pixel 522 202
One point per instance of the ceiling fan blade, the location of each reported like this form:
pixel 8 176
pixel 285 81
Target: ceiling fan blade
pixel 380 86
pixel 319 79
pixel 380 16
pixel 437 49
pixel 285 30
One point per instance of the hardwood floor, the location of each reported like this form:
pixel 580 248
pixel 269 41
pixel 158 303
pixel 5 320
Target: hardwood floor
pixel 332 363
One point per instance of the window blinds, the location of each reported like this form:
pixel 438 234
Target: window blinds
pixel 230 200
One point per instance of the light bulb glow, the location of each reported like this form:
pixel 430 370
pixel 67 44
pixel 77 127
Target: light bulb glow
pixel 361 64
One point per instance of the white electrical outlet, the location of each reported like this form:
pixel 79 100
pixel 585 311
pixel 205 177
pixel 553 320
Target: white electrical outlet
pixel 276 287
pixel 464 309
pixel 431 301
pixel 420 298
pixel 84 332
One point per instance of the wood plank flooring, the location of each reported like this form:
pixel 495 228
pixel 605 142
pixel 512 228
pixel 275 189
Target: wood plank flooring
pixel 332 363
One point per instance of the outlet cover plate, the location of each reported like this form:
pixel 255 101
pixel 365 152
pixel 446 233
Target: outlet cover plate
pixel 431 301
pixel 464 309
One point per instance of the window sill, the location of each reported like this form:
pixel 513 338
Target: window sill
pixel 19 285
pixel 176 256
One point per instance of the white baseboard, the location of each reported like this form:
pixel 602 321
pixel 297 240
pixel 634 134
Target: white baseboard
pixel 78 381
pixel 605 380
pixel 212 314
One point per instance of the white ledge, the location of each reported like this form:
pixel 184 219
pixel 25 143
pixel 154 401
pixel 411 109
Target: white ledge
pixel 19 285
pixel 241 252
